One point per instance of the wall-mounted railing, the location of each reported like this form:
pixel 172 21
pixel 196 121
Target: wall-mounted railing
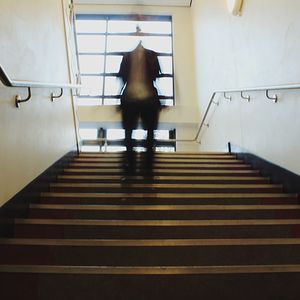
pixel 244 94
pixel 29 85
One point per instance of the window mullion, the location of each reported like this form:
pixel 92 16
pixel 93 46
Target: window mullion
pixel 105 58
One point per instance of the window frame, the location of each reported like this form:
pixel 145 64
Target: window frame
pixel 124 17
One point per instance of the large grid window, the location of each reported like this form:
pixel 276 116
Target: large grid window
pixel 101 42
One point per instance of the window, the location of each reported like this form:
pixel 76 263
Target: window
pixel 101 42
pixel 113 140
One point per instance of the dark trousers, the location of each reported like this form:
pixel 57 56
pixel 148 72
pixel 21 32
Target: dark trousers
pixel 148 112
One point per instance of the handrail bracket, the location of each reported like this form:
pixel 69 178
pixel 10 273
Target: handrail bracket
pixel 245 97
pixel 19 100
pixel 58 96
pixel 274 98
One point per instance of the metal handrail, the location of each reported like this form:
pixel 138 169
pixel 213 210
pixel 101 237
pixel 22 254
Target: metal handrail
pixel 267 89
pixel 32 84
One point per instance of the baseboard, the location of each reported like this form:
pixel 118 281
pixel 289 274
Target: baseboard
pixel 290 180
pixel 18 206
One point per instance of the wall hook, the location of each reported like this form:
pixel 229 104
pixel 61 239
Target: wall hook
pixel 19 100
pixel 245 97
pixel 274 98
pixel 216 103
pixel 227 98
pixel 56 97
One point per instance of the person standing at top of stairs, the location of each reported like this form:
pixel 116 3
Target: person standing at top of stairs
pixel 138 71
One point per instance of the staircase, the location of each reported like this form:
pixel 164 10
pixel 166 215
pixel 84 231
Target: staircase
pixel 205 226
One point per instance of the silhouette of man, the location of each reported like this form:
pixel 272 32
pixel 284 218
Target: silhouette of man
pixel 138 71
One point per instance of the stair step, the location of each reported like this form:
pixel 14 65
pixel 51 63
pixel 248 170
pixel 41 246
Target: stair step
pixel 185 282
pixel 168 198
pixel 161 212
pixel 164 172
pixel 184 166
pixel 153 229
pixel 151 187
pixel 162 179
pixel 149 252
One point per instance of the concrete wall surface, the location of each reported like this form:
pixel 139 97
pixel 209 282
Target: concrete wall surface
pixel 32 48
pixel 258 48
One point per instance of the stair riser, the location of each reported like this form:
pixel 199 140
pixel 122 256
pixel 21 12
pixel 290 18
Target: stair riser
pixel 168 181
pixel 176 201
pixel 191 173
pixel 110 287
pixel 155 232
pixel 149 256
pixel 164 215
pixel 189 190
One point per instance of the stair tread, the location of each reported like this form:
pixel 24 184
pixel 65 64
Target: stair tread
pixel 158 223
pixel 150 242
pixel 154 270
pixel 163 207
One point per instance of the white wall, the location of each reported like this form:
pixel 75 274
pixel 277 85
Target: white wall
pixel 33 137
pixel 185 116
pixel 261 47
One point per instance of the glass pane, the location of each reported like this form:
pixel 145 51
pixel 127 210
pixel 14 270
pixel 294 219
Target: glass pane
pixel 139 134
pixel 124 26
pixel 158 43
pixel 88 133
pixel 161 134
pixel 115 148
pixel 90 43
pixel 121 43
pixel 139 149
pixel 90 26
pixel 90 148
pixel 156 27
pixel 167 102
pixel 113 63
pixel 88 101
pixel 91 64
pixel 165 86
pixel 112 85
pixel 91 85
pixel 165 149
pixel 115 134
pixel 112 101
pixel 166 65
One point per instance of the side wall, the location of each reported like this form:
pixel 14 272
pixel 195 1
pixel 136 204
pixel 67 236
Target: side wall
pixel 259 48
pixel 32 48
pixel 185 116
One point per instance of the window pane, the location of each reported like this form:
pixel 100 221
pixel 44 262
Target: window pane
pixel 139 134
pixel 88 133
pixel 91 85
pixel 165 149
pixel 161 134
pixel 118 26
pixel 167 102
pixel 156 27
pixel 158 43
pixel 121 43
pixel 115 148
pixel 166 65
pixel 90 43
pixel 88 101
pixel 112 86
pixel 165 86
pixel 112 101
pixel 91 64
pixel 90 26
pixel 90 148
pixel 113 63
pixel 115 134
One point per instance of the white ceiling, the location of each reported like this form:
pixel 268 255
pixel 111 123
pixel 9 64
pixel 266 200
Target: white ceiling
pixel 137 2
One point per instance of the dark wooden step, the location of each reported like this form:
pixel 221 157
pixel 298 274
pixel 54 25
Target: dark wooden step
pixel 187 252
pixel 168 198
pixel 162 179
pixel 266 282
pixel 156 229
pixel 167 188
pixel 162 172
pixel 152 212
pixel 185 166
